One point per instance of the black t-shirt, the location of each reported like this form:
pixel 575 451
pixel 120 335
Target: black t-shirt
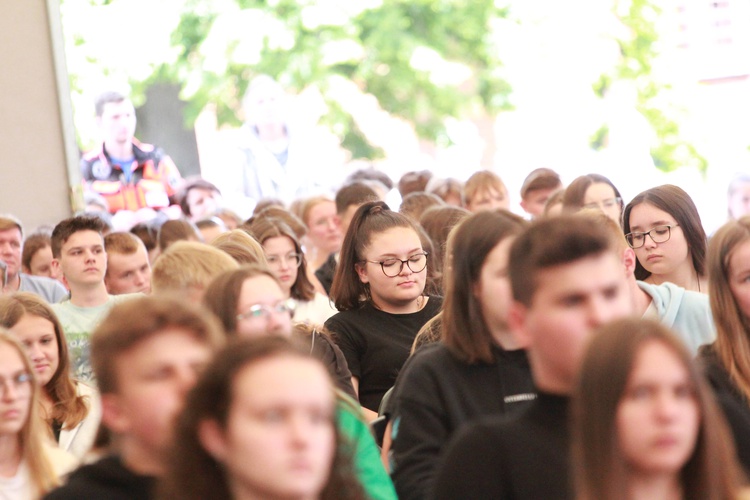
pixel 436 394
pixel 376 344
pixel 107 479
pixel 326 272
pixel 526 457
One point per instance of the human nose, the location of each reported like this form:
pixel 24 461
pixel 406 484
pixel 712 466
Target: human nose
pixel 10 391
pixel 299 430
pixel 34 352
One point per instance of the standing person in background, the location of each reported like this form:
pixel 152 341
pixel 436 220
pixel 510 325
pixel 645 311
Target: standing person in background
pixel 645 424
pixel 70 407
pixel 13 279
pixel 485 190
pixel 379 289
pixel 536 190
pixel 130 175
pixel 664 228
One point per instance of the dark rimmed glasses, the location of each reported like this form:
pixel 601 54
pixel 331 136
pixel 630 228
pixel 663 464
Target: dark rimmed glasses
pixel 393 267
pixel 658 234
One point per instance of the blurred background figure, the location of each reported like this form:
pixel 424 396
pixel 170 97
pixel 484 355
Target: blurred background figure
pixel 738 196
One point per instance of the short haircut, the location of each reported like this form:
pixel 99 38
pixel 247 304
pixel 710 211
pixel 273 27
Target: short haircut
pixel 31 245
pixel 147 233
pixel 472 241
pixel 412 182
pixel 295 223
pixel 240 246
pixel 107 97
pixel 600 467
pixel 483 181
pixel 445 188
pixel 677 203
pixel 188 264
pixel 614 231
pixel 368 174
pixel 355 193
pixel 551 242
pixel 123 243
pixel 68 227
pixel 135 320
pixel 8 221
pixel 177 230
pixel 414 204
pixel 223 293
pixel 190 184
pixel 538 179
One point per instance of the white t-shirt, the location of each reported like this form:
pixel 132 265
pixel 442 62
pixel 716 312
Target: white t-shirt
pixel 17 487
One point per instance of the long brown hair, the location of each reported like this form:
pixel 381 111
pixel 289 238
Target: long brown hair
pixel 732 344
pixel 598 465
pixel 464 329
pixel 32 435
pixel 193 473
pixel 264 228
pixel 370 218
pixel 68 407
pixel 677 203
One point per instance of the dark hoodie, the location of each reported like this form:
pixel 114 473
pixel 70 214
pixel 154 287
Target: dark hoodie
pixel 107 479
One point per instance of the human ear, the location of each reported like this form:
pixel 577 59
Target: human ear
pixel 629 260
pixel 211 437
pixel 517 317
pixel 362 273
pixel 113 415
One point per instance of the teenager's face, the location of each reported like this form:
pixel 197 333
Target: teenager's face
pixel 117 122
pixel 324 228
pixel 15 393
pixel 152 380
pixel 535 200
pixel 570 301
pixel 659 258
pixel 41 263
pixel 489 199
pixel 282 256
pixel 393 292
pixel 265 291
pixel 602 196
pixel 279 439
pixel 202 202
pixel 37 335
pixel 128 273
pixel 658 416
pixel 738 276
pixel 493 288
pixel 82 258
pixel 11 245
pixel 739 201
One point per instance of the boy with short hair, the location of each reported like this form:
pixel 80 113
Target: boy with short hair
pixel 79 256
pixel 146 355
pixel 128 267
pixel 567 280
pixel 537 188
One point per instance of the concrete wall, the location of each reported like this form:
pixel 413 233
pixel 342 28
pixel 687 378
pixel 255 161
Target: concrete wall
pixel 37 162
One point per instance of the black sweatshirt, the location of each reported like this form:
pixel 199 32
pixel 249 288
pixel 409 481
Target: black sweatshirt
pixel 436 394
pixel 106 479
pixel 521 457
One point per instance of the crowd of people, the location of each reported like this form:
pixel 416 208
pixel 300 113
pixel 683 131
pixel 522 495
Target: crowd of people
pixel 329 345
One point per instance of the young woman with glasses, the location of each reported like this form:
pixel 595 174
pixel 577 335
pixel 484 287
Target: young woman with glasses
pixel 251 304
pixel 379 289
pixel 29 466
pixel 70 407
pixel 593 191
pixel 288 263
pixel 663 227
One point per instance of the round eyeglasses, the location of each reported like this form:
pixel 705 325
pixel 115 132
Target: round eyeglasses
pixel 263 311
pixel 658 234
pixel 393 267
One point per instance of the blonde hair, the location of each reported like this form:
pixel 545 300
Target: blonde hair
pixel 232 241
pixel 33 433
pixel 189 264
pixel 483 181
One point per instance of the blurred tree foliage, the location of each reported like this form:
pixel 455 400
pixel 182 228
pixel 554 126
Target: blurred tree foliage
pixel 371 43
pixel 670 151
